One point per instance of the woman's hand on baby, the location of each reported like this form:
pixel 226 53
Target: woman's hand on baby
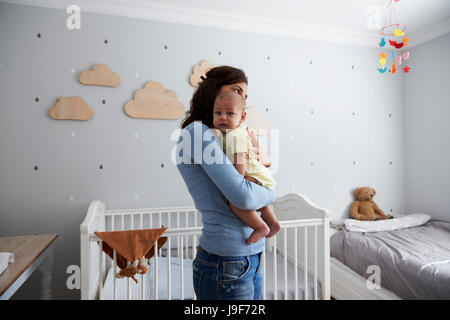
pixel 252 136
pixel 255 152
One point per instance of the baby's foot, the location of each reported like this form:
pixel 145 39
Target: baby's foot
pixel 257 234
pixel 274 227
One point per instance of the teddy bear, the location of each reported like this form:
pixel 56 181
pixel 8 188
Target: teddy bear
pixel 364 208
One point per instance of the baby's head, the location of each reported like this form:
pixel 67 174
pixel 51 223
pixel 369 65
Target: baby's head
pixel 229 111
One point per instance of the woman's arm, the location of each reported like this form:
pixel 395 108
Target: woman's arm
pixel 241 166
pixel 240 163
pixel 200 146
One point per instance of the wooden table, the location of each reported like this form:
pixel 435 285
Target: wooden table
pixel 30 253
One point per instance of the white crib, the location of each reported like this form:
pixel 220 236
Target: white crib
pixel 302 244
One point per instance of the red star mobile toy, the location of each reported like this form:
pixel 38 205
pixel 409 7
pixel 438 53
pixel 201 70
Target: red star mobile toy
pixel 393 33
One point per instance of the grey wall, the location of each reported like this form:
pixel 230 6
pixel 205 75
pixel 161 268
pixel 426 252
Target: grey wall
pixel 340 122
pixel 427 131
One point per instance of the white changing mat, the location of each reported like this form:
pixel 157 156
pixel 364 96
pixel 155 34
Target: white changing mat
pixel 149 282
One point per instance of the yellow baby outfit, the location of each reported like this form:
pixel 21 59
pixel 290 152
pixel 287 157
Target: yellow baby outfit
pixel 237 141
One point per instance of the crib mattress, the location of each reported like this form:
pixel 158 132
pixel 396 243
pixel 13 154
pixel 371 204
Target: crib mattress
pixel 149 282
pixel 188 291
pixel 290 281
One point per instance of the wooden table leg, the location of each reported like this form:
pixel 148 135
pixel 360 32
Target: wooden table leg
pixel 46 275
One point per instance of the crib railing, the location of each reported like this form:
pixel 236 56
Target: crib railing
pixel 168 217
pixel 293 257
pixel 303 241
pixel 182 233
pixel 173 218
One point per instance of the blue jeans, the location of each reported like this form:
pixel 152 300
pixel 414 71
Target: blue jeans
pixel 227 278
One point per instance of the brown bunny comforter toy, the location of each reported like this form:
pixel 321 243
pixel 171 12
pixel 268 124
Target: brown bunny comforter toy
pixel 132 246
pixel 364 208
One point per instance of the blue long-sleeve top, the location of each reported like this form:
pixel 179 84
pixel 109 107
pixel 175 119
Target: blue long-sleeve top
pixel 213 181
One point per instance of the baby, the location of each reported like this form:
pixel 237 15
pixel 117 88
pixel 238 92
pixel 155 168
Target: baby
pixel 229 115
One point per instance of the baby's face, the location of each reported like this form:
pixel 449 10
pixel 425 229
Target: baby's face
pixel 228 115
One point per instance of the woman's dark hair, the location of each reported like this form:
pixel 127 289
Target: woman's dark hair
pixel 202 101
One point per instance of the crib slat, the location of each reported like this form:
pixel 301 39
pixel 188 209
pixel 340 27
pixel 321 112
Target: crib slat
pixel 275 280
pixel 187 237
pixel 160 226
pixel 315 262
pixel 141 221
pixel 128 285
pixel 142 287
pixel 296 263
pixel 194 253
pixel 123 224
pixel 169 253
pixel 263 262
pixel 181 271
pixel 194 246
pixel 285 265
pixel 156 269
pixel 178 238
pixel 100 270
pixel 114 274
pixel 305 262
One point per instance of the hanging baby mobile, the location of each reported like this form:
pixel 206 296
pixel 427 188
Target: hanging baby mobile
pixel 393 36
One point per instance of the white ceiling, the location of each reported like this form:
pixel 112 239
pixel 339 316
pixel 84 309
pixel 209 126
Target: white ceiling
pixel 342 21
pixel 349 14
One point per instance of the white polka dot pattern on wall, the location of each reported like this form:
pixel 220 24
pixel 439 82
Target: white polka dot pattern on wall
pixel 313 103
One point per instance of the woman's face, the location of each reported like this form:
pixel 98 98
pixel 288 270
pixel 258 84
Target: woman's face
pixel 240 88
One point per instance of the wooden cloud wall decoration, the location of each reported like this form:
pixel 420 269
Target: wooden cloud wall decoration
pixel 200 71
pixel 154 102
pixel 100 75
pixel 71 108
